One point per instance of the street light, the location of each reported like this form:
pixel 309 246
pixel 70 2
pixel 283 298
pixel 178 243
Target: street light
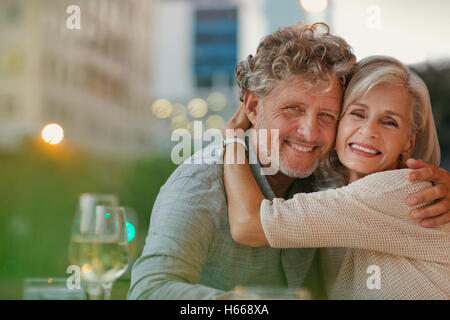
pixel 314 5
pixel 52 133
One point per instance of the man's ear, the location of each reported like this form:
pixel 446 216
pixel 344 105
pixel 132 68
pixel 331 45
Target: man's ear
pixel 251 104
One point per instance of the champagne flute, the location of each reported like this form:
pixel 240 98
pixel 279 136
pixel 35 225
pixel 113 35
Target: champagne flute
pixel 99 245
pixel 121 254
pixel 84 214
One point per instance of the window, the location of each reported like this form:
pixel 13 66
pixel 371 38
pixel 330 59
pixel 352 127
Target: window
pixel 215 46
pixel 8 106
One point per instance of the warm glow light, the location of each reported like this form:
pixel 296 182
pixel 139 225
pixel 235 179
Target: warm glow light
pixel 216 101
pixel 197 108
pixel 314 5
pixel 52 133
pixel 162 108
pixel 178 110
pixel 86 268
pixel 215 122
pixel 198 126
pixel 179 122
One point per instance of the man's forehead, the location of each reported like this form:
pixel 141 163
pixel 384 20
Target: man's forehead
pixel 298 88
pixel 320 86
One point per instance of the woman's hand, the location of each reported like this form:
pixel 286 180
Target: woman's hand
pixel 243 194
pixel 239 119
pixel 438 212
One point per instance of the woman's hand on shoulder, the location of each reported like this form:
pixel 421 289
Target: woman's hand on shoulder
pixel 438 212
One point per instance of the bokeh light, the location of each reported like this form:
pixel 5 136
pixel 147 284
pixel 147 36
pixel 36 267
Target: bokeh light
pixel 216 101
pixel 52 133
pixel 178 110
pixel 197 108
pixel 194 125
pixel 179 122
pixel 162 108
pixel 314 5
pixel 86 268
pixel 215 122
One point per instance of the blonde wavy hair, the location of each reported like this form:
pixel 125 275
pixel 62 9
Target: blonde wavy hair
pixel 299 49
pixel 372 71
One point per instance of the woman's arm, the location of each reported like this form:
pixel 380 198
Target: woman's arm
pixel 244 199
pixel 369 214
pixel 243 194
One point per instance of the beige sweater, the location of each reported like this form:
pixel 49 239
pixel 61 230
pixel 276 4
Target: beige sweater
pixel 371 218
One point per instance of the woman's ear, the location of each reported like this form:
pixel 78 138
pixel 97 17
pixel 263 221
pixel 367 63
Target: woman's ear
pixel 404 156
pixel 251 104
pixel 411 143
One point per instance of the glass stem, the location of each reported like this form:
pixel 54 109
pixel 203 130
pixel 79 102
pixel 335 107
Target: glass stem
pixel 107 286
pixel 95 292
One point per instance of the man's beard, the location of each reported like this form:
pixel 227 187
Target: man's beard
pixel 283 167
pixel 297 173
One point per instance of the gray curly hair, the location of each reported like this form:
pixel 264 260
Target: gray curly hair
pixel 298 49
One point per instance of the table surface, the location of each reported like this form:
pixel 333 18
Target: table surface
pixel 13 289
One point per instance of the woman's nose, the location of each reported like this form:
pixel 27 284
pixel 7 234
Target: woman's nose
pixel 370 129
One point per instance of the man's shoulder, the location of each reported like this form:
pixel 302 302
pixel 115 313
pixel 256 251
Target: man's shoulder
pixel 194 192
pixel 202 171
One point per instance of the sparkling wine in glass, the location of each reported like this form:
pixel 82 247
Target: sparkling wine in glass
pixel 99 247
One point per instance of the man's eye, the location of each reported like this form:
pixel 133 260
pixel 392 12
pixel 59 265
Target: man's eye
pixel 328 119
pixel 328 115
pixel 292 108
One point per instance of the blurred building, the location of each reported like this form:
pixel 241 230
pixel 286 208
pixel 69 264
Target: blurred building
pixel 93 81
pixel 197 44
pixel 411 31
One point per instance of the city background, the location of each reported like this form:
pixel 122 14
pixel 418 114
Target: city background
pixel 88 102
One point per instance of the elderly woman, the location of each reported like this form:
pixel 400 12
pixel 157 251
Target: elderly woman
pixel 385 119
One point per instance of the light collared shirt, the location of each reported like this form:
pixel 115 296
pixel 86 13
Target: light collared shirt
pixel 189 252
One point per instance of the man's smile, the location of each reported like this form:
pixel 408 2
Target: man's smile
pixel 301 146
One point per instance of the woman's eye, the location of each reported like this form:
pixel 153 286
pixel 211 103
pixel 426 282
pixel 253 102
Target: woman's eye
pixel 358 114
pixel 391 123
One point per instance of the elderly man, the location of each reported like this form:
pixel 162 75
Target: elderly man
pixel 189 251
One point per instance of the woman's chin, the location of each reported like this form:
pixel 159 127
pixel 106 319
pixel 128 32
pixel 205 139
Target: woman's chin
pixel 359 171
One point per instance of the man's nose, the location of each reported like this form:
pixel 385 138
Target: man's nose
pixel 308 127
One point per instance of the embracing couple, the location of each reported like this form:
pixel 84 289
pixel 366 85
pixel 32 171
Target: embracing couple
pixel 347 193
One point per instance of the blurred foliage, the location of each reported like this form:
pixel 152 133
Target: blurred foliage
pixel 40 185
pixel 437 78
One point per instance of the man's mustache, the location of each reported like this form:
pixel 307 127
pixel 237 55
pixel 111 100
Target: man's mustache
pixel 301 140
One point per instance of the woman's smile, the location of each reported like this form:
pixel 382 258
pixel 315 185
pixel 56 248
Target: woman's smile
pixel 363 149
